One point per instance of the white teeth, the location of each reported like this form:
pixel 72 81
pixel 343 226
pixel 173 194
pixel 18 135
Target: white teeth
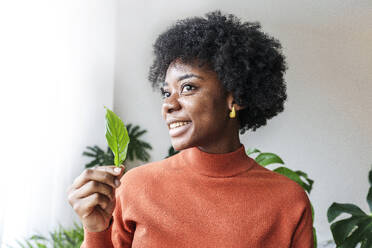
pixel 178 124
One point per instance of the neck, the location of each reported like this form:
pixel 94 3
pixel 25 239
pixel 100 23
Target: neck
pixel 216 165
pixel 229 142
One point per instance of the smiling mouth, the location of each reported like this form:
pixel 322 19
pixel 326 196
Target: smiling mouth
pixel 178 128
pixel 178 124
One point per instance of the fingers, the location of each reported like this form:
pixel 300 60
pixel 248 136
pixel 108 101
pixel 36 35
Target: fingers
pixel 94 187
pixel 104 212
pixel 119 171
pixel 109 209
pixel 94 190
pixel 103 174
pixel 85 206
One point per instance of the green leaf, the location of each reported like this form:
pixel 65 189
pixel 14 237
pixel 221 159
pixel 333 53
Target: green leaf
pixel 312 212
pixel 37 237
pixel 338 208
pixel 88 154
pixel 315 238
pixel 117 137
pixel 364 228
pixel 251 151
pixel 314 231
pixel 368 242
pixel 267 158
pixel 40 245
pixel 342 229
pixel 60 238
pixel 140 133
pixel 135 129
pixel 310 182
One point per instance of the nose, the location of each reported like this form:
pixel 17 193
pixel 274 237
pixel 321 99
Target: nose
pixel 171 104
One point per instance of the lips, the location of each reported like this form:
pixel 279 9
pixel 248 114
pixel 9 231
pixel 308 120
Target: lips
pixel 177 124
pixel 177 128
pixel 173 120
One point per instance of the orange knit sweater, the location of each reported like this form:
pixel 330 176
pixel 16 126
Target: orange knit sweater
pixel 198 199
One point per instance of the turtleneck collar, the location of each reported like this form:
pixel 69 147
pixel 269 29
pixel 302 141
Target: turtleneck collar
pixel 217 164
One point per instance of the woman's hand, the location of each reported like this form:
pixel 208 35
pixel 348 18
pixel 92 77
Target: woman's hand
pixel 92 196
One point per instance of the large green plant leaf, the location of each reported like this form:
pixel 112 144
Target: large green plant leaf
pixel 342 228
pixel 359 234
pixel 309 181
pixel 368 242
pixel 116 136
pixel 357 229
pixel 267 158
pixel 338 208
pixel 252 150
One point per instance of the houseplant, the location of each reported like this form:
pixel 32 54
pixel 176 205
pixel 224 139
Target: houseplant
pixel 357 229
pixel 59 238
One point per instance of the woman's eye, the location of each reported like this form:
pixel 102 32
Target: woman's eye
pixel 164 93
pixel 188 87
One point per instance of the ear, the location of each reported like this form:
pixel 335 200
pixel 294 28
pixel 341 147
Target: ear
pixel 231 102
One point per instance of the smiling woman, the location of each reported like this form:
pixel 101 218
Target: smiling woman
pixel 195 96
pixel 217 76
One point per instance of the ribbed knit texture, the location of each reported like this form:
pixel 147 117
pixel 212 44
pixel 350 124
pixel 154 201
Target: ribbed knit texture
pixel 198 199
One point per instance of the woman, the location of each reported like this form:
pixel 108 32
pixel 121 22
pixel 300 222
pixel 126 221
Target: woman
pixel 217 76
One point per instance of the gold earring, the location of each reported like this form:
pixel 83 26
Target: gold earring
pixel 232 113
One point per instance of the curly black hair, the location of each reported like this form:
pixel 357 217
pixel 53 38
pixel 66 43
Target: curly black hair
pixel 248 62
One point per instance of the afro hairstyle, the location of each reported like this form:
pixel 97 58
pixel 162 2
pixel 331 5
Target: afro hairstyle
pixel 249 63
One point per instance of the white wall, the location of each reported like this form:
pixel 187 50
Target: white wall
pixel 325 129
pixel 57 72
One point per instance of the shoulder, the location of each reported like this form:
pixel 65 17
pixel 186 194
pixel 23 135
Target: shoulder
pixel 288 201
pixel 282 189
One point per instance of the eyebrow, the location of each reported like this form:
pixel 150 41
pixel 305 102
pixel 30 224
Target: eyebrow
pixel 183 77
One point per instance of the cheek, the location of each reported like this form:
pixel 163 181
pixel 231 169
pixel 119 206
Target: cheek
pixel 193 109
pixel 207 113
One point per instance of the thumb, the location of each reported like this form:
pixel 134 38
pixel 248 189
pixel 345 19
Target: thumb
pixel 122 167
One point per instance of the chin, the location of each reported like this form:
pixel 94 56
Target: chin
pixel 178 146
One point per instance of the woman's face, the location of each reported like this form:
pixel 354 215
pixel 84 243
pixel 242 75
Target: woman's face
pixel 195 106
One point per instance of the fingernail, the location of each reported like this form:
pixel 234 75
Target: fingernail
pixel 117 170
pixel 117 182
